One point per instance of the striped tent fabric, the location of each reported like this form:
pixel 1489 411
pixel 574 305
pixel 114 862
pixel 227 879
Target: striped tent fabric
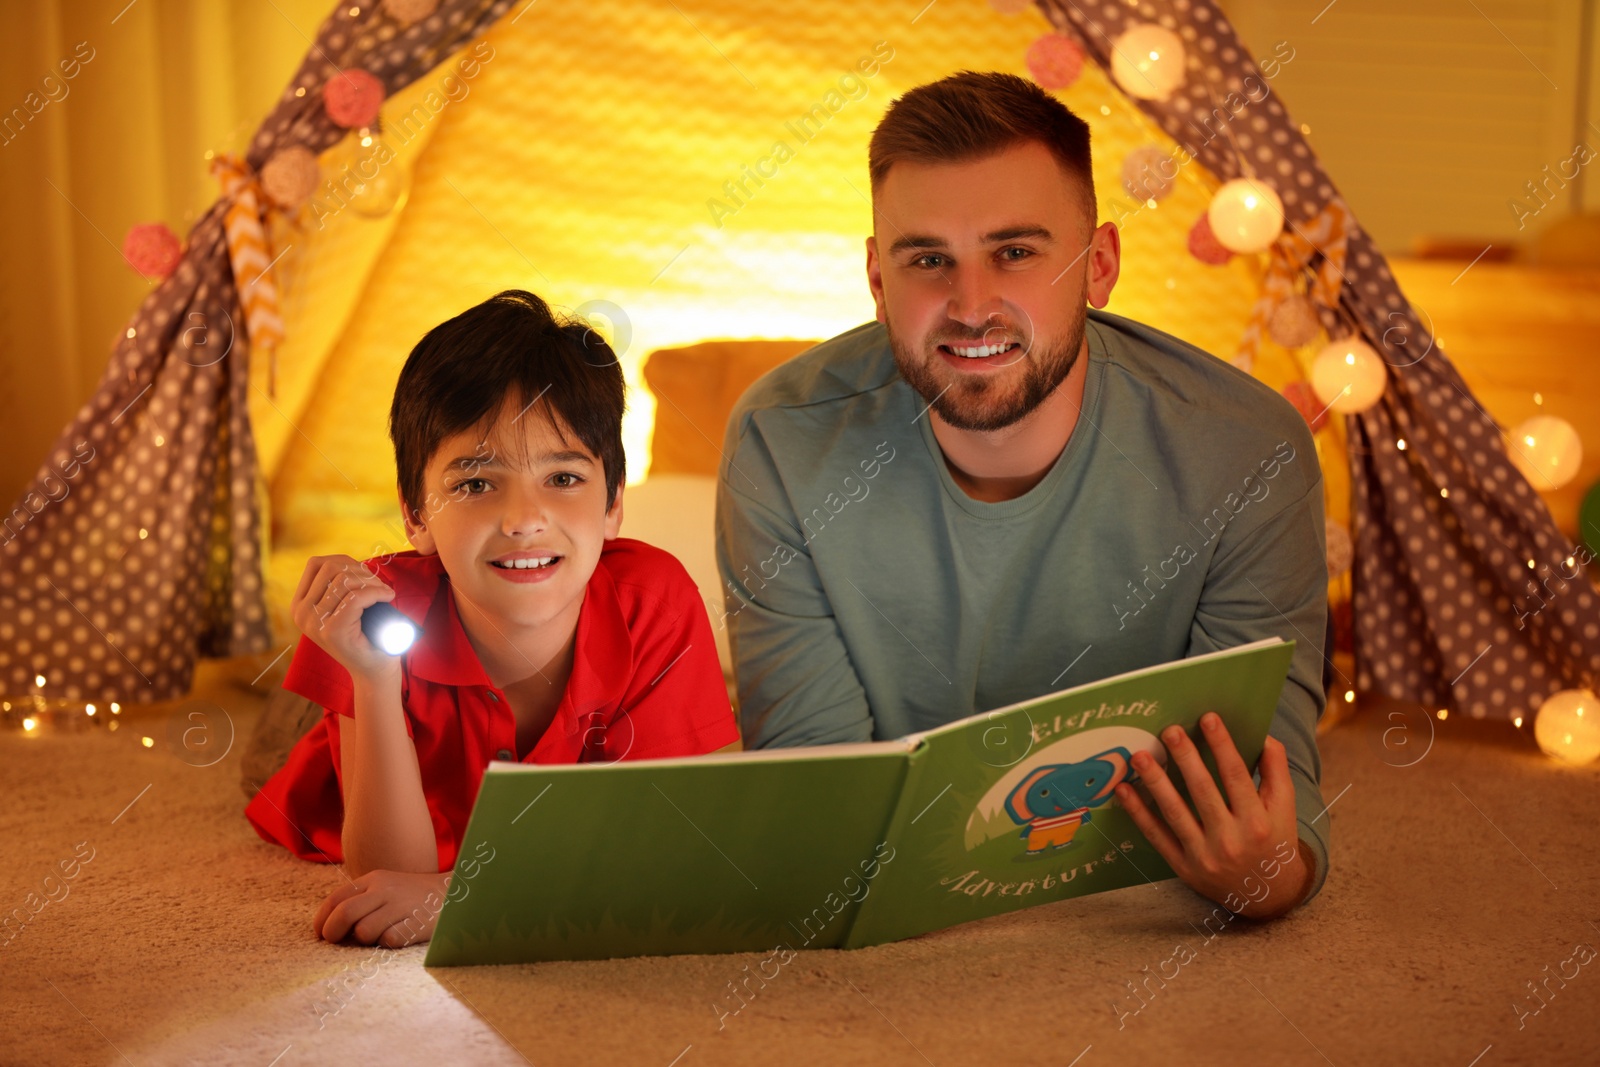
pixel 1462 593
pixel 138 545
pixel 249 253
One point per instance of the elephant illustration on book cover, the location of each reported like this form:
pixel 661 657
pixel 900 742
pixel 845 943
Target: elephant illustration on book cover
pixel 1056 788
pixel 1055 799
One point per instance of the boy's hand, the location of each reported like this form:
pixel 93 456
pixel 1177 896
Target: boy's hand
pixel 391 908
pixel 327 607
pixel 1244 853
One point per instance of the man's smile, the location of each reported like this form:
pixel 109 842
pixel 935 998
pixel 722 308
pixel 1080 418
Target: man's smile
pixel 977 357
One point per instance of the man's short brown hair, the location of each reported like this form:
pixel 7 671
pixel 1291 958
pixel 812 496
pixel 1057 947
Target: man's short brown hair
pixel 971 115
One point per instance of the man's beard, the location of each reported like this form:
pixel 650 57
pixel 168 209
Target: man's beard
pixel 975 402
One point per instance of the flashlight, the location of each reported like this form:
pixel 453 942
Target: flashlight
pixel 387 628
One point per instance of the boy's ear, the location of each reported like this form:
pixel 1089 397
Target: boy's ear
pixel 614 517
pixel 419 536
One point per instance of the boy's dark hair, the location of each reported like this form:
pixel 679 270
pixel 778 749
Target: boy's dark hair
pixel 971 115
pixel 508 348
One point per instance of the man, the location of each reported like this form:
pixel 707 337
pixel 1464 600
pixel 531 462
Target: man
pixel 994 492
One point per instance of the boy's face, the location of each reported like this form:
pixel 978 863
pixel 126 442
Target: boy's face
pixel 518 493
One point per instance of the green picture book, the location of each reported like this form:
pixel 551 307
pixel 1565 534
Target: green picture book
pixel 835 846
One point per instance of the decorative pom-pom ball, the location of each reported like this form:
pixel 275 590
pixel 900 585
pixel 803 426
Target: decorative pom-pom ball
pixel 1246 215
pixel 1149 173
pixel 152 249
pixel 1055 61
pixel 290 175
pixel 1204 246
pixel 353 98
pixel 1305 401
pixel 1348 376
pixel 1147 62
pixel 1340 549
pixel 406 12
pixel 1294 323
pixel 1568 727
pixel 1546 450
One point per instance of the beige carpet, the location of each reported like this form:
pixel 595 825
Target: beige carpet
pixel 185 939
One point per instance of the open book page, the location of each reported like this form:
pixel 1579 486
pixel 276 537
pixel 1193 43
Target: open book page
pixel 740 853
pixel 1015 807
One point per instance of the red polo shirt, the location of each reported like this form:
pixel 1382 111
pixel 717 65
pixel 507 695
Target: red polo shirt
pixel 645 684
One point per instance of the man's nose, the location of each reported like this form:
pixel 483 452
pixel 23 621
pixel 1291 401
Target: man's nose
pixel 975 300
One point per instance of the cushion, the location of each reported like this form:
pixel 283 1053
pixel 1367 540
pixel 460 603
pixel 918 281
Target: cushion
pixel 695 389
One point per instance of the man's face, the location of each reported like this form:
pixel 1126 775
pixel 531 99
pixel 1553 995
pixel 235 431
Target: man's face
pixel 516 493
pixel 981 271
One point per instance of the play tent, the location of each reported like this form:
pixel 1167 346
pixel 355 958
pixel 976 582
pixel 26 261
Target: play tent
pixel 683 175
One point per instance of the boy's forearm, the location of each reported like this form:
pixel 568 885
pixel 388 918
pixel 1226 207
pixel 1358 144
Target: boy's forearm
pixel 386 820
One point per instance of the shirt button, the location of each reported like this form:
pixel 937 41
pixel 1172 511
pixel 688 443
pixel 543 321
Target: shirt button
pixel 504 754
pixel 493 697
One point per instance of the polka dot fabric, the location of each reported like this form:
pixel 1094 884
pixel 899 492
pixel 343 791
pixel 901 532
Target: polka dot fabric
pixel 1462 597
pixel 138 547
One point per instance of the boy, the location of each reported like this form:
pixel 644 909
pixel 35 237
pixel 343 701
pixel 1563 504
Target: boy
pixel 545 637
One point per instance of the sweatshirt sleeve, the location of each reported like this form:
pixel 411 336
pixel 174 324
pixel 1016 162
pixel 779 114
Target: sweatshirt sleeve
pixel 796 682
pixel 1274 583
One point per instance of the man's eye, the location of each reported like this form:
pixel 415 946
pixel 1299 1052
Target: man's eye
pixel 928 261
pixel 565 480
pixel 1005 253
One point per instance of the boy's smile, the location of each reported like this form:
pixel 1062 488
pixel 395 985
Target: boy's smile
pixel 525 566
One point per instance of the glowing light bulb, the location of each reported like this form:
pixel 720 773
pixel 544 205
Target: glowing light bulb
pixel 89 708
pixel 146 742
pixel 29 723
pixel 1245 215
pixel 1148 62
pixel 1349 696
pixel 1564 732
pixel 1547 451
pixel 1348 376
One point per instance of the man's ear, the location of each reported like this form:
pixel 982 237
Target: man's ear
pixel 419 536
pixel 1105 264
pixel 614 517
pixel 875 279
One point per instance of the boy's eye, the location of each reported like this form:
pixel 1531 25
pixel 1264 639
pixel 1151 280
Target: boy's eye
pixel 468 484
pixel 565 480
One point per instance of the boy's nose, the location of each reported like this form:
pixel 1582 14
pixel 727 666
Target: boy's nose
pixel 524 515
